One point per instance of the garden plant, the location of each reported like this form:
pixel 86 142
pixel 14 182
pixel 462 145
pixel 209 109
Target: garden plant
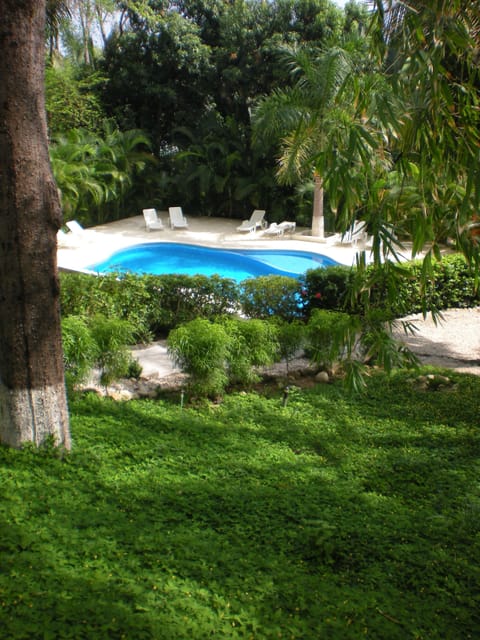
pixel 333 516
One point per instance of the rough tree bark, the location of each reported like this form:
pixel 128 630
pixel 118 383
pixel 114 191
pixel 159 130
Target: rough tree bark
pixel 33 404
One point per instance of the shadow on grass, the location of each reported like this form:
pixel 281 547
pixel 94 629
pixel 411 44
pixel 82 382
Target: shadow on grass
pixel 247 520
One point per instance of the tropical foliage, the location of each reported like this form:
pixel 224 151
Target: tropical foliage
pixel 72 99
pixel 213 61
pixel 96 174
pixel 385 121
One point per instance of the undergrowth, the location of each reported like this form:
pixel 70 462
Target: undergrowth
pixel 330 517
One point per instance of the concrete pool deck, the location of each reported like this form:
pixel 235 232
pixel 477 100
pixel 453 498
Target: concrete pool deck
pixel 76 252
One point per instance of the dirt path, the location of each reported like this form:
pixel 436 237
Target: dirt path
pixel 454 343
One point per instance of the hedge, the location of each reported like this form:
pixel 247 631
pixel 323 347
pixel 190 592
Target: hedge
pixel 156 304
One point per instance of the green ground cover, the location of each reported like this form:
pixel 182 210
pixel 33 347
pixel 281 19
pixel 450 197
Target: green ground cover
pixel 332 517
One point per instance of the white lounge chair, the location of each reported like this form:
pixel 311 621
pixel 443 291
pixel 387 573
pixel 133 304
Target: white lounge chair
pixel 256 220
pixel 75 227
pixel 279 229
pixel 354 235
pixel 78 234
pixel 152 221
pixel 177 219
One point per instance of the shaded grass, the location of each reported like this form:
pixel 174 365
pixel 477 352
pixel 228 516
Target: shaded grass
pixel 330 518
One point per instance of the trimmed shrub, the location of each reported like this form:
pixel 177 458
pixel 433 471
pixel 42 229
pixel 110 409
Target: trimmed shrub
pixel 126 297
pixel 268 296
pixel 328 288
pixel 394 289
pixel 451 285
pixel 152 304
pixel 182 298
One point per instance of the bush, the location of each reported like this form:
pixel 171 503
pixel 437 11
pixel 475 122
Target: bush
pixel 200 348
pixel 332 335
pixel 112 336
pixel 79 351
pixel 267 296
pixel 152 304
pixel 184 298
pixel 291 338
pixel 129 297
pixel 328 288
pixel 253 343
pixel 451 285
pixel 394 289
pixel 223 352
pixel 97 342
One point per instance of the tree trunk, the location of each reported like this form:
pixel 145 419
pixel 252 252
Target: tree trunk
pixel 317 218
pixel 33 406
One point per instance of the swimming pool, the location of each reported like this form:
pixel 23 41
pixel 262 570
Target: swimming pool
pixel 239 264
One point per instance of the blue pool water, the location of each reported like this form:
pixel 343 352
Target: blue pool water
pixel 238 264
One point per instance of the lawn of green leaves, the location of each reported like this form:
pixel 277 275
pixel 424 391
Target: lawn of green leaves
pixel 334 517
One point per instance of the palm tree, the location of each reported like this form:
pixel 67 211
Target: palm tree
pixel 57 10
pixel 302 118
pixel 94 174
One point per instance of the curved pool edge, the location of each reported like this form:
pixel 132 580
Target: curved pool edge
pixel 236 263
pixel 203 231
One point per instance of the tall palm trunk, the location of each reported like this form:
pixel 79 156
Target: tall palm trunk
pixel 33 403
pixel 318 227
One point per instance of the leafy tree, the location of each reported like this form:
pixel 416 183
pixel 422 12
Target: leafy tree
pixel 72 101
pixel 33 403
pixel 435 45
pixel 158 76
pixel 211 59
pixel 403 153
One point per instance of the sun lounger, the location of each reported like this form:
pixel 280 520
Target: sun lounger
pixel 279 229
pixel 256 220
pixel 77 233
pixel 152 221
pixel 354 235
pixel 75 227
pixel 177 219
pixel 67 240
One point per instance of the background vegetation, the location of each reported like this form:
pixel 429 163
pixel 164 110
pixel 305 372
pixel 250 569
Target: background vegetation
pixel 187 75
pixel 335 517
